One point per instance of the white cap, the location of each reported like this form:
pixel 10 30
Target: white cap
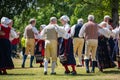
pixel 106 16
pixel 31 20
pixel 53 19
pixel 5 20
pixel 91 17
pixel 80 21
pixel 65 18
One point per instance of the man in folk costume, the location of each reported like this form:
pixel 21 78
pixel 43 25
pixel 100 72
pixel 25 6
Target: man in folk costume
pixel 78 42
pixel 5 46
pixel 66 47
pixel 90 32
pixel 30 33
pixel 51 32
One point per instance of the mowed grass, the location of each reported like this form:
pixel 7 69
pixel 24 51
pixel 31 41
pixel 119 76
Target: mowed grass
pixel 36 73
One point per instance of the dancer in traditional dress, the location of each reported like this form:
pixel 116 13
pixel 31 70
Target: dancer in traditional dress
pixel 5 45
pixel 66 47
pixel 51 32
pixel 39 51
pixel 78 42
pixel 103 52
pixel 90 32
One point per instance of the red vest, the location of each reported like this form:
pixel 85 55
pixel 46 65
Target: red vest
pixel 15 41
pixel 6 31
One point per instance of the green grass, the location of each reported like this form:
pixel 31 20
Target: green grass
pixel 36 73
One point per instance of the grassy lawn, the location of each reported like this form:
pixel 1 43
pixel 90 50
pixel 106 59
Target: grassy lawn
pixel 36 73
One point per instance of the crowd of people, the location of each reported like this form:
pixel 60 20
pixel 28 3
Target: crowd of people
pixel 94 44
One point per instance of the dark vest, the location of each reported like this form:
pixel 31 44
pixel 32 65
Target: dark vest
pixel 77 29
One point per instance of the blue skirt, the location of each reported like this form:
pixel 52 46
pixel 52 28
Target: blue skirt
pixel 68 49
pixel 5 54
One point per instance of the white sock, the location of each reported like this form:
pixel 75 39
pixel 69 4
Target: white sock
pixel 45 65
pixel 53 66
pixel 80 60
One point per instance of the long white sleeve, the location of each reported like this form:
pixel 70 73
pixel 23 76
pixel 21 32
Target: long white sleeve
pixel 105 31
pixel 61 32
pixel 116 32
pixel 34 29
pixel 73 30
pixel 13 34
pixel 36 33
pixel 42 34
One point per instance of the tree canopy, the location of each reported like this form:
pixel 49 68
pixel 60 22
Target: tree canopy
pixel 22 10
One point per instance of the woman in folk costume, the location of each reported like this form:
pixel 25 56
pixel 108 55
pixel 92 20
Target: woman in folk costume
pixel 103 52
pixel 66 47
pixel 5 46
pixel 40 49
pixel 116 31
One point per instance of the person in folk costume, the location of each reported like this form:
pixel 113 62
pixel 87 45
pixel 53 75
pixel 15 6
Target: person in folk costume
pixel 30 34
pixel 116 31
pixel 90 31
pixel 23 45
pixel 108 20
pixel 78 42
pixel 14 43
pixel 40 46
pixel 103 51
pixel 5 45
pixel 51 32
pixel 66 47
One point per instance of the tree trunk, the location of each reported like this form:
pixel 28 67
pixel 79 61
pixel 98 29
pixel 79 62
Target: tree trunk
pixel 114 11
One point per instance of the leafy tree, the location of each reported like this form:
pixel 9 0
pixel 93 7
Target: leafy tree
pixel 42 10
pixel 10 8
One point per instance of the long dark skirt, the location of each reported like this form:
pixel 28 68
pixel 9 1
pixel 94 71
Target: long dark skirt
pixel 111 44
pixel 5 54
pixel 115 50
pixel 103 54
pixel 39 51
pixel 68 49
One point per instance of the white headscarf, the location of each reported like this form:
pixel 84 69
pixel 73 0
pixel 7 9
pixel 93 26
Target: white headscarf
pixel 5 20
pixel 65 18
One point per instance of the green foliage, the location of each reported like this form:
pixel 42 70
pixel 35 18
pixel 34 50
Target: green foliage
pixel 10 8
pixel 42 10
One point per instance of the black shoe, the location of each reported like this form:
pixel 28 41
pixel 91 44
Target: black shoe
pixel 23 66
pixel 0 72
pixel 67 72
pixel 87 71
pixel 45 73
pixel 79 65
pixel 101 70
pixel 4 73
pixel 41 65
pixel 53 73
pixel 31 66
pixel 74 72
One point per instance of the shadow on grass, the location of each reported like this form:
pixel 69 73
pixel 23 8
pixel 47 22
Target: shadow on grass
pixel 75 75
pixel 24 74
pixel 112 72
